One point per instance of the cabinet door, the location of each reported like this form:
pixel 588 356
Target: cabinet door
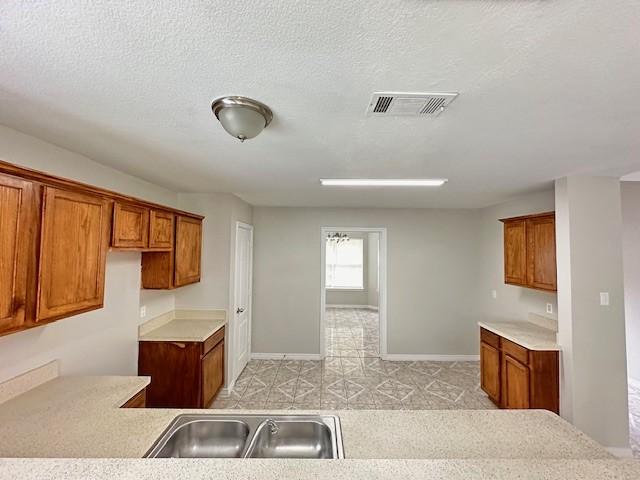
pixel 515 387
pixel 541 252
pixel 130 226
pixel 212 374
pixel 161 230
pixel 490 371
pixel 515 261
pixel 73 248
pixel 17 221
pixel 188 250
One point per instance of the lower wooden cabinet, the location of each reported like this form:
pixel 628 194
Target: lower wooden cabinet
pixel 139 400
pixel 212 373
pixel 490 366
pixel 183 374
pixel 517 378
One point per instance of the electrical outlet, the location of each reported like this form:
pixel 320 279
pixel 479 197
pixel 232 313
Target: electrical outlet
pixel 143 311
pixel 604 299
pixel 549 307
pixel 494 294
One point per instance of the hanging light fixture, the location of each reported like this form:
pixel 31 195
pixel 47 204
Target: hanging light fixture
pixel 242 117
pixel 338 237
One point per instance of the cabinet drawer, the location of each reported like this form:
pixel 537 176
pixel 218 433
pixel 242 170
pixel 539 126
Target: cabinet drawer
pixel 212 341
pixel 516 351
pixel 490 338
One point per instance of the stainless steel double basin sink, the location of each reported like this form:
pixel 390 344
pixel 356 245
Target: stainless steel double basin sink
pixel 250 436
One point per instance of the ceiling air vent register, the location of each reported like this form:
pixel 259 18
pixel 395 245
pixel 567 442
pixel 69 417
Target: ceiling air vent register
pixel 409 104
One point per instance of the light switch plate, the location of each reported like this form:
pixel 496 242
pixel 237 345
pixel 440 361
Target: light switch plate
pixel 143 311
pixel 494 294
pixel 604 298
pixel 549 308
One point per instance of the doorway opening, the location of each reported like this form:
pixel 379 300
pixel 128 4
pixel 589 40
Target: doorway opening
pixel 353 292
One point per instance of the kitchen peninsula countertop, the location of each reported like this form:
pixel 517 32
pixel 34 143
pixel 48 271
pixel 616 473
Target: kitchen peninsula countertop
pixel 78 420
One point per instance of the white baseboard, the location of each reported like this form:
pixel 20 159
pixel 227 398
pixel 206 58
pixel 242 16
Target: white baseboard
pixel 620 452
pixel 364 307
pixel 285 356
pixel 418 357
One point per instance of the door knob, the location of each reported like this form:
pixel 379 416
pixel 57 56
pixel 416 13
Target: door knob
pixel 239 310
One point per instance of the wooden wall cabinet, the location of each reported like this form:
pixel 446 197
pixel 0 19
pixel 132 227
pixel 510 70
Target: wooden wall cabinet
pixel 161 230
pixel 167 270
pixel 17 263
pixel 73 250
pixel 517 378
pixel 54 237
pixel 188 250
pixel 530 251
pixel 130 226
pixel 183 374
pixel 137 227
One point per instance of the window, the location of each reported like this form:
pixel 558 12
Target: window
pixel 344 264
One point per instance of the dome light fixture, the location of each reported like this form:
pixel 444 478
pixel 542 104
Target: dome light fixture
pixel 242 117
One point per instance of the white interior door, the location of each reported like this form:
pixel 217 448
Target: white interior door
pixel 242 304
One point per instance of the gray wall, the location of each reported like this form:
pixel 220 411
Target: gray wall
pixel 432 277
pixel 353 297
pixel 443 265
pixel 511 302
pixel 631 255
pixel 593 392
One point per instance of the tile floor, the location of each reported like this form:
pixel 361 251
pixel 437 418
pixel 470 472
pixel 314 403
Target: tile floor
pixel 351 332
pixel 355 378
pixel 634 418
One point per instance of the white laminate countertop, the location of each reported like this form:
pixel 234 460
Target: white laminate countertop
pixel 77 417
pixel 183 330
pixel 527 334
pixel 72 428
pixel 348 469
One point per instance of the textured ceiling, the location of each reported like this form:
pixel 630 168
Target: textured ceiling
pixel 547 88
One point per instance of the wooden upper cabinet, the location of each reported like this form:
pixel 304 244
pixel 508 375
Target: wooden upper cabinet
pixel 130 226
pixel 17 224
pixel 161 230
pixel 73 247
pixel 515 259
pixel 530 251
pixel 188 250
pixel 541 252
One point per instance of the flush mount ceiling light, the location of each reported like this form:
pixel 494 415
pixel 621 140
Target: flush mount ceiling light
pixel 363 182
pixel 242 117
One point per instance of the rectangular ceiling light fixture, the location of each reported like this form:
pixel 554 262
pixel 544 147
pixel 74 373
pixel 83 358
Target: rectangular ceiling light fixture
pixel 365 182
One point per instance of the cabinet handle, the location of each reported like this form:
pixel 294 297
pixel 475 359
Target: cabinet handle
pixel 179 345
pixel 239 310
